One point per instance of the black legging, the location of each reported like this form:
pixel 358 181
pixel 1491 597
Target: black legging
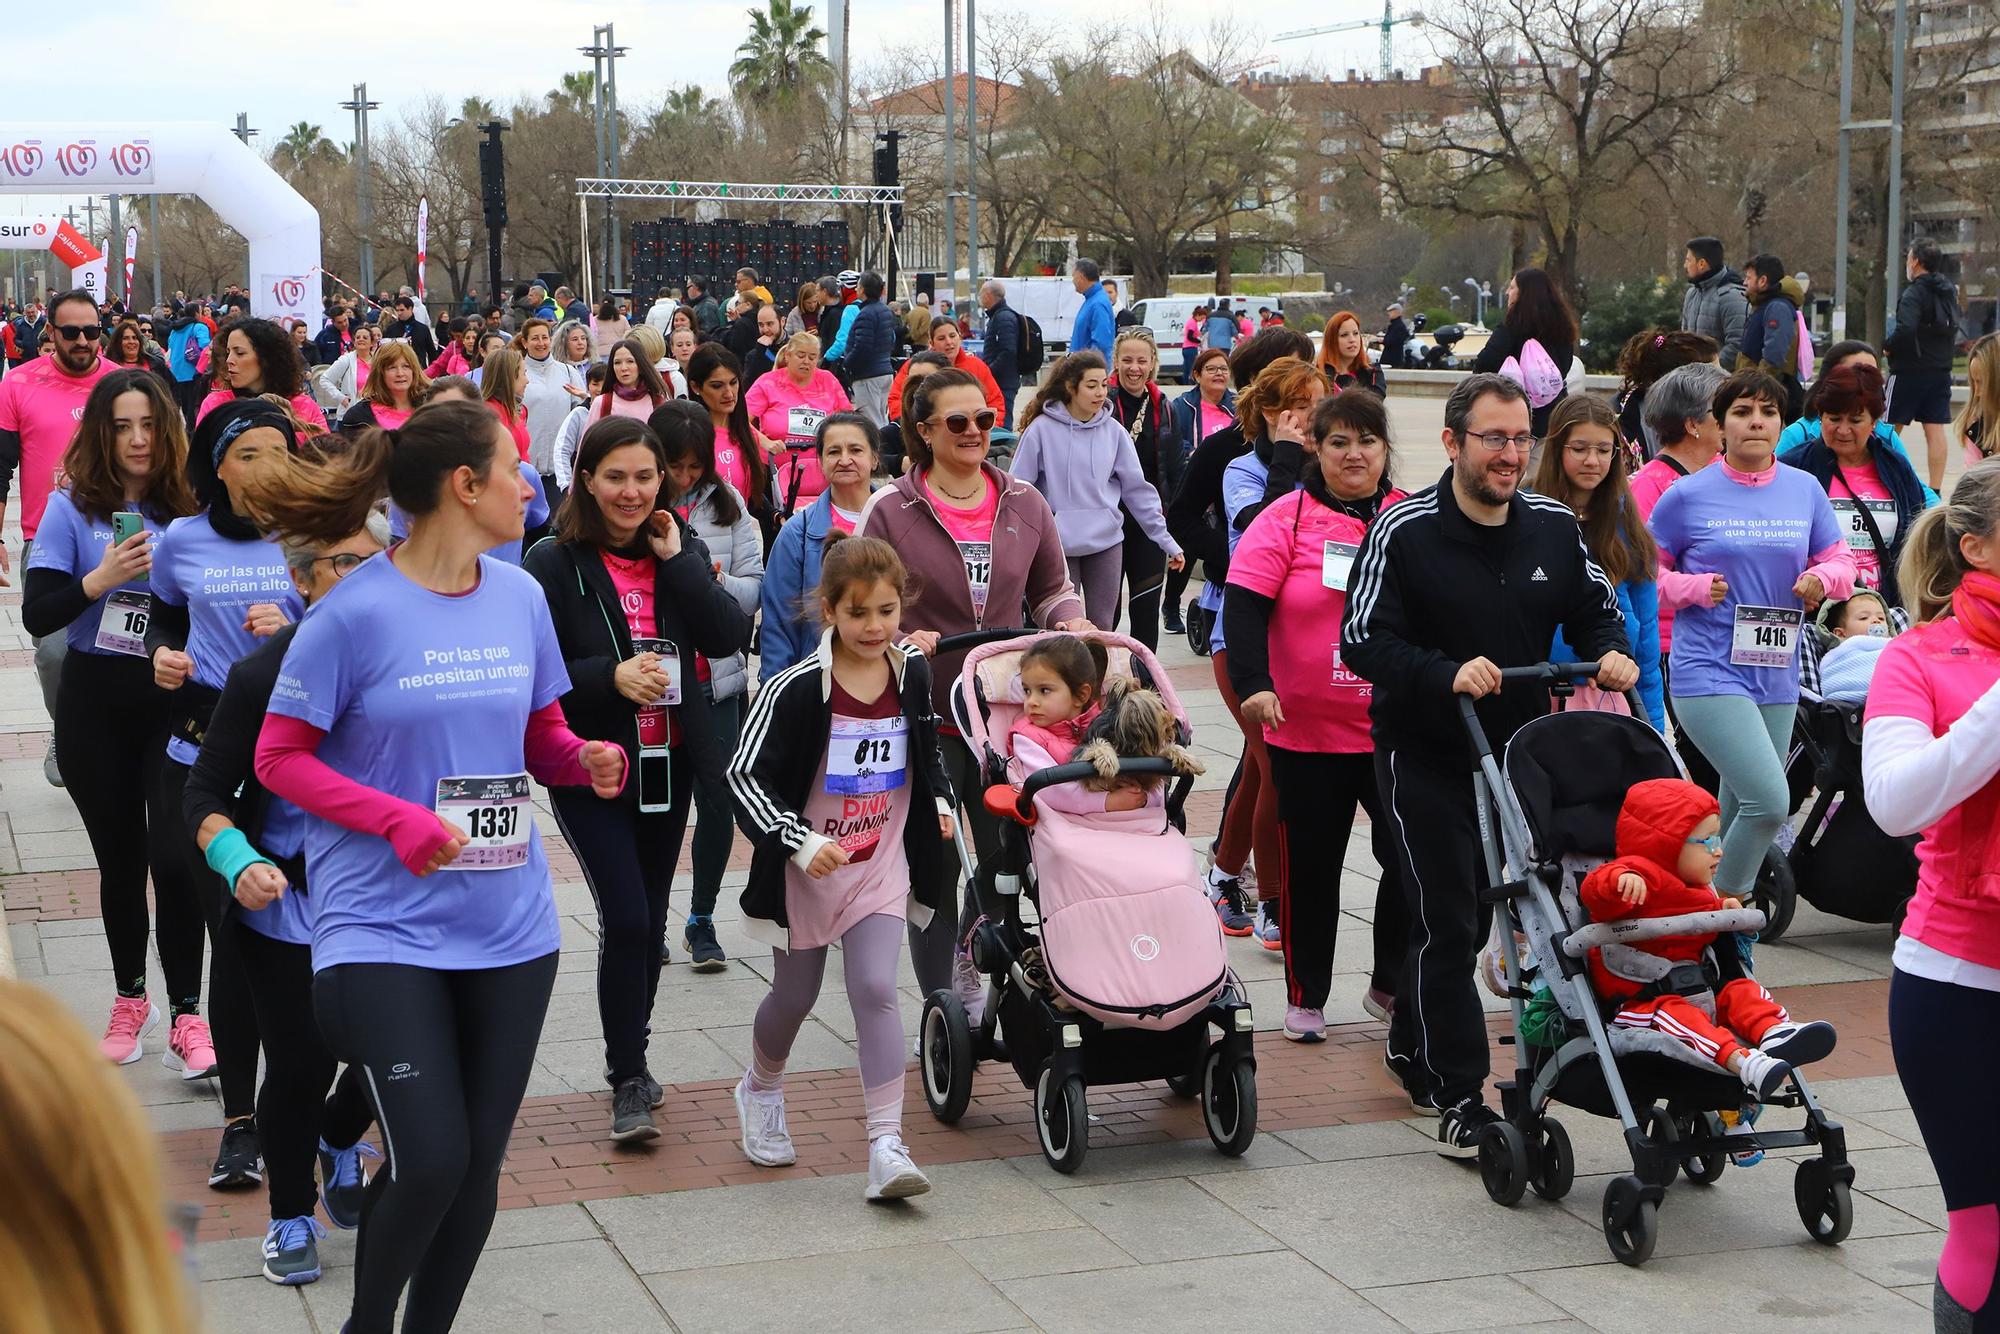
pixel 111 744
pixel 1948 1057
pixel 1145 574
pixel 232 1015
pixel 1317 794
pixel 932 947
pixel 446 1054
pixel 294 1109
pixel 628 863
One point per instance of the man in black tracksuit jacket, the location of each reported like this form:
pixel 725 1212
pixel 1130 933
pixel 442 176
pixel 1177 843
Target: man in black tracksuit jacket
pixel 1451 585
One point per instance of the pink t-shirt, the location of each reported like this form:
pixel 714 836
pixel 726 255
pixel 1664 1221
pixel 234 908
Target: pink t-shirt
pixel 43 405
pixel 1864 488
pixel 1301 553
pixel 972 528
pixel 789 416
pixel 390 419
pixel 1934 673
pixel 1648 485
pixel 863 813
pixel 616 404
pixel 730 465
pixel 1213 419
pixel 634 582
pixel 302 406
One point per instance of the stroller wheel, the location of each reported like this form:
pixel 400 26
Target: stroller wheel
pixel 1631 1223
pixel 1503 1162
pixel 1776 893
pixel 1062 1121
pixel 1229 1102
pixel 1556 1172
pixel 1703 1169
pixel 1825 1206
pixel 946 1056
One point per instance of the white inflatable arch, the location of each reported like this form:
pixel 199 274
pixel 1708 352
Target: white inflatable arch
pixel 174 158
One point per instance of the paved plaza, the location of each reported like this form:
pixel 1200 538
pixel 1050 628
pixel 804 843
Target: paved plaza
pixel 1340 1218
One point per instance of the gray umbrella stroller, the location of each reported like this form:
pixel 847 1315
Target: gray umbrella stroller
pixel 1545 821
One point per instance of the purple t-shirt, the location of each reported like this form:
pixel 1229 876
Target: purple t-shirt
pixel 74 544
pixel 411 687
pixel 218 580
pixel 1759 538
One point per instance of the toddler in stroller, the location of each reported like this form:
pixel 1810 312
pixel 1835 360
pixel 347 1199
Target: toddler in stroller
pixel 1122 973
pixel 1669 844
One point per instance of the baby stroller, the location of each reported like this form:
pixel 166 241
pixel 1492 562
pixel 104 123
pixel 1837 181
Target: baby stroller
pixel 1123 973
pixel 1841 860
pixel 1545 825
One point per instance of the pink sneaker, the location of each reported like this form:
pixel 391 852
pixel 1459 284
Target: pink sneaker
pixel 132 1017
pixel 190 1049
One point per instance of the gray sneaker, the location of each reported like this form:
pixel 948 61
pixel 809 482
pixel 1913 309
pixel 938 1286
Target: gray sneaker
pixel 632 1113
pixel 49 769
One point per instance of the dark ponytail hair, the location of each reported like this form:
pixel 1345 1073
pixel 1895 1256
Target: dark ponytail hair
pixel 685 430
pixel 324 497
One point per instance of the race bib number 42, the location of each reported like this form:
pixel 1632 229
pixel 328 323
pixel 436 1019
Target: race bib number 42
pixel 496 815
pixel 1764 636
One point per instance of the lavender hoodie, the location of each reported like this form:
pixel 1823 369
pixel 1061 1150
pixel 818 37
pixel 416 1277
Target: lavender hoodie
pixel 1085 470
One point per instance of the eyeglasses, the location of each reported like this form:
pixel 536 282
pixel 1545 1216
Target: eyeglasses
pixel 1713 843
pixel 959 423
pixel 73 332
pixel 1588 451
pixel 1495 441
pixel 344 563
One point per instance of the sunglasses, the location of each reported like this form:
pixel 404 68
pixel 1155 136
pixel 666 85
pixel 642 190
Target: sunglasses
pixel 959 423
pixel 75 331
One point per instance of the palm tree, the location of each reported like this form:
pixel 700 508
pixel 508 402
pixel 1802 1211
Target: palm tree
pixel 304 146
pixel 781 57
pixel 578 88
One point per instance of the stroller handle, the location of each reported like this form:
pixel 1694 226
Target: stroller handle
pixel 1078 771
pixel 1542 672
pixel 974 638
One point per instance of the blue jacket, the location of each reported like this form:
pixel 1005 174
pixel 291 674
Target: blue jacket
pixel 1806 430
pixel 1640 601
pixel 1898 474
pixel 1188 427
pixel 791 628
pixel 870 341
pixel 184 347
pixel 1095 325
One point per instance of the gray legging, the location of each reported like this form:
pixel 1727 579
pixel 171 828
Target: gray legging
pixel 868 955
pixel 1099 577
pixel 1746 742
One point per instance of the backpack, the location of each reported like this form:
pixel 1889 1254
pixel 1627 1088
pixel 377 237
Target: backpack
pixel 1032 352
pixel 1805 347
pixel 1537 373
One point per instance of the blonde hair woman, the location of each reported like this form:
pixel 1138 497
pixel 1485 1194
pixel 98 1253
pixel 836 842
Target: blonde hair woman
pixel 654 344
pixel 396 387
pixel 787 406
pixel 84 1235
pixel 1978 422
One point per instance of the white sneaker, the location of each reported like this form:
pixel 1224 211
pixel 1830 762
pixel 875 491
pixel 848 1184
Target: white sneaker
pixel 766 1141
pixel 891 1174
pixel 1799 1044
pixel 1762 1074
pixel 970 984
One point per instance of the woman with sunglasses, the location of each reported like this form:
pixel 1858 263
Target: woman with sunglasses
pixel 1075 452
pixel 982 545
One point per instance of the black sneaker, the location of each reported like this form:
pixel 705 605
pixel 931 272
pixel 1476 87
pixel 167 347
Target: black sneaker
pixel 240 1162
pixel 632 1113
pixel 1458 1129
pixel 704 954
pixel 343 1182
pixel 1174 624
pixel 1403 1070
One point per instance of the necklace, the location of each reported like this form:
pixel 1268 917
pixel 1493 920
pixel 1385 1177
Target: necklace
pixel 973 494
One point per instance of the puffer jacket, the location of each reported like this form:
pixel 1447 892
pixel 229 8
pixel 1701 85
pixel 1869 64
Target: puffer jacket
pixel 1086 470
pixel 1715 305
pixel 739 549
pixel 1926 333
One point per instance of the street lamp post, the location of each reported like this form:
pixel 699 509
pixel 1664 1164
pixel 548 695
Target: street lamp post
pixel 604 52
pixel 364 202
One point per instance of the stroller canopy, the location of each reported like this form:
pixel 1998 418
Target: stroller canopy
pixel 1570 772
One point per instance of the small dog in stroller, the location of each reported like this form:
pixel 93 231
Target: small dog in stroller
pixel 1122 974
pixel 1589 1036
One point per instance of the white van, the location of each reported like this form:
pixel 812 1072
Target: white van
pixel 1167 317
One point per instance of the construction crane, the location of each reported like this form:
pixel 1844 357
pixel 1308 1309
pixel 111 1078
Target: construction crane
pixel 1387 25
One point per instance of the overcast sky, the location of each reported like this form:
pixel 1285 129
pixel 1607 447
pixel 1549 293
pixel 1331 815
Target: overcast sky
pixel 183 60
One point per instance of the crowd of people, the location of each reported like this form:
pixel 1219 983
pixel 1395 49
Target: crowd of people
pixel 315 610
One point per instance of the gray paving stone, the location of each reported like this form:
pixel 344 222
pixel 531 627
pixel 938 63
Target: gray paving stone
pixel 1494 1301
pixel 1894 1262
pixel 1788 1288
pixel 252 1306
pixel 1273 1293
pixel 1893 1168
pixel 1073 1250
pixel 576 1287
pixel 922 1289
pixel 823 1215
pixel 1750 1208
pixel 815 1048
pixel 1173 1219
pixel 1871 1093
pixel 1370 1139
pixel 1143 1162
pixel 1407 1219
pixel 1924 1203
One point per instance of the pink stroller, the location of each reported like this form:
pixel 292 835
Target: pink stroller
pixel 1123 972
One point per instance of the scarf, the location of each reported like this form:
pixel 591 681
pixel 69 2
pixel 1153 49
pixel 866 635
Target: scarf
pixel 1976 603
pixel 636 392
pixel 1061 739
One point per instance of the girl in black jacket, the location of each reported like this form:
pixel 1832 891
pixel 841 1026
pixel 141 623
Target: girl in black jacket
pixel 835 784
pixel 633 600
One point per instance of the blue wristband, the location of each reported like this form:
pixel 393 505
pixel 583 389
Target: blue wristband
pixel 229 854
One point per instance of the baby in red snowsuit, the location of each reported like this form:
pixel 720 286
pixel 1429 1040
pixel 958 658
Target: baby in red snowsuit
pixel 1669 844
